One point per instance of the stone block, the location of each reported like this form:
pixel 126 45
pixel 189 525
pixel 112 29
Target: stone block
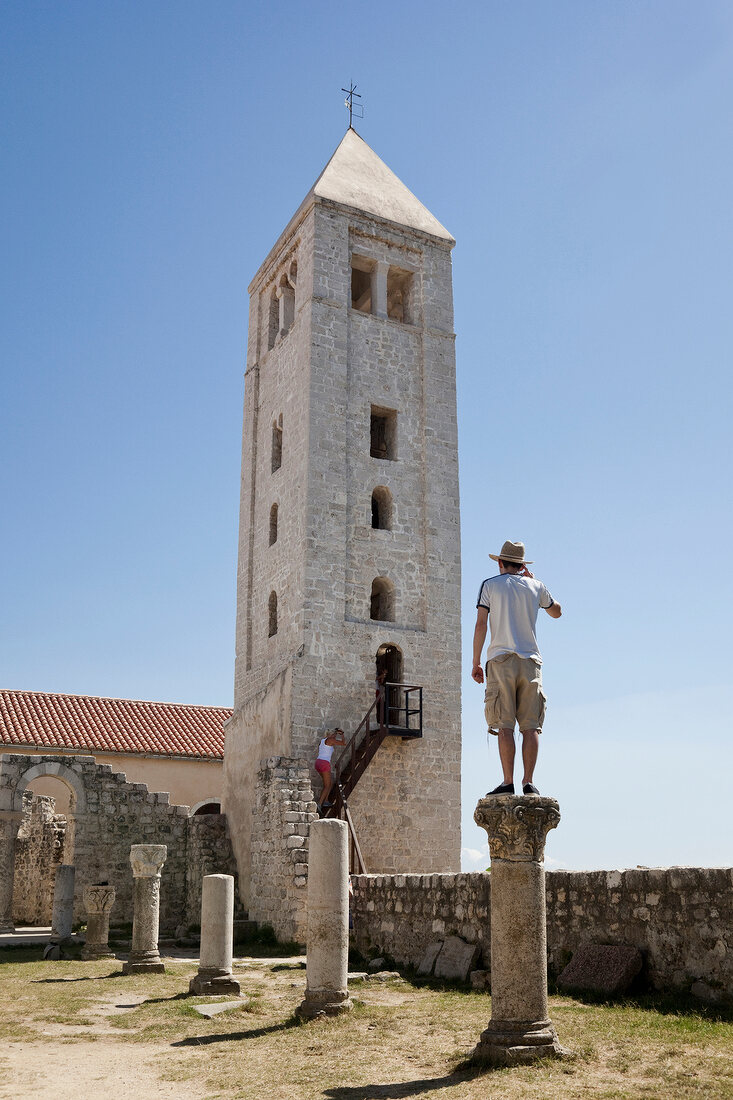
pixel 427 962
pixel 601 968
pixel 456 959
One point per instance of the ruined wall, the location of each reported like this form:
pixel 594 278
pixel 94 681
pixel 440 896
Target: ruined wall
pixel 283 811
pixel 209 852
pixel 681 918
pixel 39 849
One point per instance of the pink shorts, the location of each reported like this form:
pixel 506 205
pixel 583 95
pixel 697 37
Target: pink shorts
pixel 323 766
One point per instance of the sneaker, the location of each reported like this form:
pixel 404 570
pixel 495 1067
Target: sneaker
pixel 503 788
pixel 529 788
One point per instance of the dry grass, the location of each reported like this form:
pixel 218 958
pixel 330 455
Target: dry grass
pixel 401 1040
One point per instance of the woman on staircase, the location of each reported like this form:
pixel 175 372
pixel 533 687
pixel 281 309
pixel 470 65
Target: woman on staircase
pixel 323 764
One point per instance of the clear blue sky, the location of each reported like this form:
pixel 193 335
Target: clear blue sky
pixel 581 155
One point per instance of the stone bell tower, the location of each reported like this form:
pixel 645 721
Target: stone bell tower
pixel 349 548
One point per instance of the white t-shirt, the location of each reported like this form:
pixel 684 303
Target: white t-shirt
pixel 513 603
pixel 325 752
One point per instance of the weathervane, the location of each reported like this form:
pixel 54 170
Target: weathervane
pixel 356 109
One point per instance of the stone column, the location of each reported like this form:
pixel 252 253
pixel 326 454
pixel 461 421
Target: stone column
pixel 147 861
pixel 9 825
pixel 217 935
pixel 62 917
pixel 379 288
pixel 98 902
pixel 326 990
pixel 519 1029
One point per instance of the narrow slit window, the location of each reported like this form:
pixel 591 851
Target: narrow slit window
pixel 273 320
pixel 277 443
pixel 273 525
pixel 383 433
pixel 382 509
pixel 272 610
pixel 382 600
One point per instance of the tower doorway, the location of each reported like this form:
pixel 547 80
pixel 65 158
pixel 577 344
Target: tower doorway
pixel 389 660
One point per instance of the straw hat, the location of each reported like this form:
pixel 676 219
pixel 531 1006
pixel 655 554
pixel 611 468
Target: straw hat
pixel 512 551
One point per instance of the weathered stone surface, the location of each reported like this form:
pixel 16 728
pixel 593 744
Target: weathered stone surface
pixel 519 1029
pixel 147 861
pixel 427 962
pixel 480 980
pixel 679 917
pixel 98 902
pixel 328 921
pixel 375 964
pixel 456 958
pixel 215 1009
pixel 217 921
pixel 601 968
pixel 63 903
pixel 517 825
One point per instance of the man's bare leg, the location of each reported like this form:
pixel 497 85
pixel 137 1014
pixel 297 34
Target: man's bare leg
pixel 506 753
pixel 530 748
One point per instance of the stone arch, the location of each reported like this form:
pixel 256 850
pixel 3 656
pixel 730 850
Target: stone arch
pixel 58 771
pixel 201 807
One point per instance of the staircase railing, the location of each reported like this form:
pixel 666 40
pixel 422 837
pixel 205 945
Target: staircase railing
pixel 397 711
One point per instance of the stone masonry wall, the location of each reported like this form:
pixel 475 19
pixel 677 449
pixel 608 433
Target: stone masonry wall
pixel 39 849
pixel 283 811
pixel 681 918
pixel 209 852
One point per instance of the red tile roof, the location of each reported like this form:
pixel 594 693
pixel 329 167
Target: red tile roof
pixel 43 720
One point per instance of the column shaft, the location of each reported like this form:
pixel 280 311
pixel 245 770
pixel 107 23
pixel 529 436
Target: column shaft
pixel 328 920
pixel 217 934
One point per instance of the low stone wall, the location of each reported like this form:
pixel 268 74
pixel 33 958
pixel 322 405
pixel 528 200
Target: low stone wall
pixel 681 918
pixel 282 814
pixel 209 852
pixel 39 850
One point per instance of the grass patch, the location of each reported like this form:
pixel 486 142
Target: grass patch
pixel 406 1039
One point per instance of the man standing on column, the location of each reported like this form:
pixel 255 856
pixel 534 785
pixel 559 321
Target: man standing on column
pixel 508 604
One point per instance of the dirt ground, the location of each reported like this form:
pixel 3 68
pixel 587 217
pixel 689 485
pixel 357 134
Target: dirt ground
pixel 84 1031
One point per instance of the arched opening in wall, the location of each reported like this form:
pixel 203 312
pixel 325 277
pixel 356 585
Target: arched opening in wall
pixel 45 840
pixel 207 806
pixel 272 610
pixel 399 293
pixel 273 525
pixel 389 660
pixel 382 606
pixel 361 284
pixel 382 508
pixel 277 443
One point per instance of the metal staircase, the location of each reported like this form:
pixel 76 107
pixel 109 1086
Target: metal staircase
pixel 397 713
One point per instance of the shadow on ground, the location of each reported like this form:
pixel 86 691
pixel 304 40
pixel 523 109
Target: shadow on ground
pixel 253 1033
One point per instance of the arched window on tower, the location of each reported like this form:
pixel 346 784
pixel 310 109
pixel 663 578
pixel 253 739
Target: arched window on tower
pixel 277 443
pixel 273 319
pixel 382 600
pixel 273 525
pixel 272 609
pixel 382 508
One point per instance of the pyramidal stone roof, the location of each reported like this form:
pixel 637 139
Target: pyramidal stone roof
pixel 88 723
pixel 356 177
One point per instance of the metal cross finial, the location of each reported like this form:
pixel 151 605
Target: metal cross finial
pixel 354 108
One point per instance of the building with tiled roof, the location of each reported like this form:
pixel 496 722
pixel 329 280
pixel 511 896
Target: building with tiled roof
pixel 171 747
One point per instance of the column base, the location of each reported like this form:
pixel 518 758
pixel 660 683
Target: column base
pixel 212 983
pixel 144 966
pixel 90 952
pixel 324 1002
pixel 512 1042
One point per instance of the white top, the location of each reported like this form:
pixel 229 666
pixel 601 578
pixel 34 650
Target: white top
pixel 325 752
pixel 513 603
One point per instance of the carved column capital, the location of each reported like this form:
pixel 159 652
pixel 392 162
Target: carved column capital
pixel 99 899
pixel 147 859
pixel 517 826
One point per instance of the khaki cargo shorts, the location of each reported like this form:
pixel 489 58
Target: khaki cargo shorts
pixel 514 693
